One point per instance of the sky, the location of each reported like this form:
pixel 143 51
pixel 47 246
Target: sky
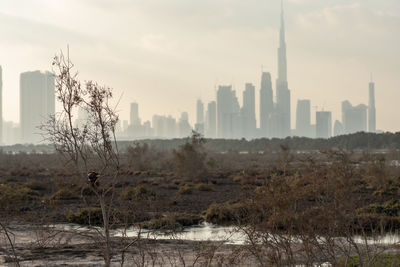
pixel 165 54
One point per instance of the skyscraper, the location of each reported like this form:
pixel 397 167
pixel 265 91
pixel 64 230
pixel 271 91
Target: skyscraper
pixel 199 126
pixel 371 109
pixel 266 104
pixel 228 111
pixel 211 120
pixel 134 114
pixel 37 103
pixel 303 118
pixel 282 90
pixel 1 106
pixel 249 123
pixel 323 126
pixel 354 119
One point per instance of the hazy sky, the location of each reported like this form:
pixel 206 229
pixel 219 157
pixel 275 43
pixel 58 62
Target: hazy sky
pixel 164 54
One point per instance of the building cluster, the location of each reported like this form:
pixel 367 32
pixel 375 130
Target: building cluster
pixel 223 117
pixel 360 118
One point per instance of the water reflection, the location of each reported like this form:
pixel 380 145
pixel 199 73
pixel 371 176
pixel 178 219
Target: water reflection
pixel 229 235
pixel 202 232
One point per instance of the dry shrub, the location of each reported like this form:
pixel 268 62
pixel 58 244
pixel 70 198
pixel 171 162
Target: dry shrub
pixel 186 189
pixel 190 159
pixel 14 194
pixel 86 216
pixel 173 221
pixel 138 193
pixel 228 213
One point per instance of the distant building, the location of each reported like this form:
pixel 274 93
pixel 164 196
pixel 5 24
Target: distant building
pixel 134 114
pixel 164 127
pixel 323 126
pixel 371 109
pixel 228 113
pixel 37 103
pixel 282 90
pixel 199 126
pixel 248 114
pixel 135 129
pixel 211 120
pixel 354 119
pixel 266 104
pixel 276 124
pixel 338 128
pixel 303 118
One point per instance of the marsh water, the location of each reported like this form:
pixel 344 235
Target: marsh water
pixel 227 234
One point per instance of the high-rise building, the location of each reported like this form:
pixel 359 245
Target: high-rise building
pixel 303 118
pixel 371 109
pixel 211 120
pixel 323 126
pixel 266 104
pixel 282 90
pixel 228 113
pixel 37 103
pixel 134 114
pixel 1 106
pixel 199 126
pixel 249 123
pixel 354 119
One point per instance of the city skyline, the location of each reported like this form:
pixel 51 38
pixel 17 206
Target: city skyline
pixel 208 93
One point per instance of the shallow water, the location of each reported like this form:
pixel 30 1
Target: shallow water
pixel 202 232
pixel 229 235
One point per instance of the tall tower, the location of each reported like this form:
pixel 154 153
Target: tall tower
pixel 371 108
pixel 282 90
pixel 249 123
pixel 266 104
pixel 211 129
pixel 199 126
pixel 134 114
pixel 200 111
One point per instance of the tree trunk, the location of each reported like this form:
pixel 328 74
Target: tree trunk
pixel 107 249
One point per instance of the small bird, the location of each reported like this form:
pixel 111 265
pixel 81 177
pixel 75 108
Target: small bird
pixel 92 178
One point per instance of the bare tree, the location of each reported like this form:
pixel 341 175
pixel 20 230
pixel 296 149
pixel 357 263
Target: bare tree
pixel 90 145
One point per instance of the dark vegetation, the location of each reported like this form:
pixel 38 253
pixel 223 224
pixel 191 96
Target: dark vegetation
pixel 356 141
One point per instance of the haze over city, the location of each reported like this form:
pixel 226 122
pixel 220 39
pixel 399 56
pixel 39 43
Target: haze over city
pixel 199 133
pixel 165 56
